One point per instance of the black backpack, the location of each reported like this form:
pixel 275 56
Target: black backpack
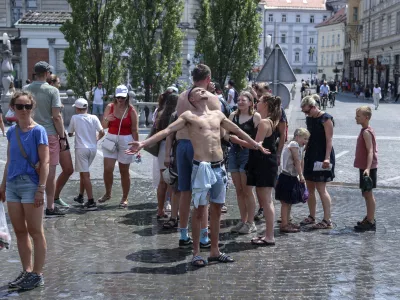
pixel 226 108
pixel 235 98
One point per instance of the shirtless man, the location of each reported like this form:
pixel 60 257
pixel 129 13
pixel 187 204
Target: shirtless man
pixel 204 131
pixel 184 155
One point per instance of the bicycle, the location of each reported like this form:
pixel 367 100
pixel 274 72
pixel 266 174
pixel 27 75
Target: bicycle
pixel 324 101
pixel 332 98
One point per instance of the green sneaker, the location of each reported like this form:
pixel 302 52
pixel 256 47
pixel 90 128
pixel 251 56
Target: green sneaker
pixel 61 203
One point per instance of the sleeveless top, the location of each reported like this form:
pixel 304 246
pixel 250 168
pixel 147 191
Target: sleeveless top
pixel 126 127
pixel 360 160
pixel 247 126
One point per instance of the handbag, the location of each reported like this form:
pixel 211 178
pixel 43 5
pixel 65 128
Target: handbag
pixel 318 166
pixel 155 148
pixel 21 148
pixel 108 143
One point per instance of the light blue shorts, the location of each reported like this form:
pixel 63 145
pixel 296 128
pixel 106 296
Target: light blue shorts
pixel 21 190
pixel 218 189
pixel 97 109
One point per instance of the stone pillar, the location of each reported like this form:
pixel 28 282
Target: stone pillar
pixel 24 60
pixel 68 110
pixel 52 54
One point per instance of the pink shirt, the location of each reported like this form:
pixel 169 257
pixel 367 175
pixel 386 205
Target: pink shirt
pixel 360 160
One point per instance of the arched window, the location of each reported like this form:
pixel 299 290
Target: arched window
pixel 297 56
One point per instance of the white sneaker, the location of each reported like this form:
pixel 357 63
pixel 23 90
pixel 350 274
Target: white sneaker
pixel 168 207
pixel 248 228
pixel 237 227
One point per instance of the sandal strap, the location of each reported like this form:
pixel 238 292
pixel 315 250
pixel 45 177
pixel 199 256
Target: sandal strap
pixel 326 222
pixel 224 257
pixel 311 217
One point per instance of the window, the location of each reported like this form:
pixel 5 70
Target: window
pixel 270 18
pixel 389 25
pixel 355 14
pixel 380 27
pixel 337 57
pixel 297 56
pixel 312 19
pixel 338 39
pixel 332 59
pixel 311 40
pixel 373 30
pixel 297 18
pixel 283 38
pixel 398 22
pixel 322 60
pixel 323 41
pixel 323 19
pixel 283 18
pixel 297 40
pixel 333 40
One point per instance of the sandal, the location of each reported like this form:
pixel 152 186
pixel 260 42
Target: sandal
pixel 170 224
pixel 221 258
pixel 163 216
pixel 308 221
pixel 324 224
pixel 224 209
pixel 288 229
pixel 104 199
pixel 123 204
pixel 293 225
pixel 198 261
pixel 260 241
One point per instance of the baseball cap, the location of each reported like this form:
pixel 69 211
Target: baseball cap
pixel 121 91
pixel 80 103
pixel 42 67
pixel 172 89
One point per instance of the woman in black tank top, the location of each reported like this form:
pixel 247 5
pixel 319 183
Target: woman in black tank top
pixel 245 118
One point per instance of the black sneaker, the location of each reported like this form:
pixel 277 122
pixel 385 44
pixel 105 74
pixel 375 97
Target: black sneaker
pixel 30 281
pixel 79 199
pixel 53 213
pixel 90 205
pixel 205 246
pixel 16 281
pixel 185 243
pixel 365 225
pixel 259 215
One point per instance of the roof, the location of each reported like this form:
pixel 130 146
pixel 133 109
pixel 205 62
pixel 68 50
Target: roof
pixel 339 17
pixel 45 17
pixel 294 4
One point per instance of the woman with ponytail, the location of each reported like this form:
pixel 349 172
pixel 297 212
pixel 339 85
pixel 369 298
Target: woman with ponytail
pixel 262 170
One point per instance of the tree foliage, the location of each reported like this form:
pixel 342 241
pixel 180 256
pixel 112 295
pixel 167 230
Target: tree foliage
pixel 154 41
pixel 228 38
pixel 95 45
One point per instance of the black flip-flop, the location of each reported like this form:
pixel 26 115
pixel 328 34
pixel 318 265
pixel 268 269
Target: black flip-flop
pixel 260 241
pixel 196 261
pixel 221 258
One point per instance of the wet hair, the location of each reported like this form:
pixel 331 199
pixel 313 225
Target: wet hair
pixel 18 94
pixel 201 72
pixel 250 97
pixel 308 101
pixel 168 110
pixel 274 107
pixel 301 132
pixel 52 79
pixel 365 110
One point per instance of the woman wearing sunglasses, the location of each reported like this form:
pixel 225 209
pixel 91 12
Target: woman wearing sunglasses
pixel 122 122
pixel 23 187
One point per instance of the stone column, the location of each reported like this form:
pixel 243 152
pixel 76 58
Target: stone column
pixel 24 60
pixel 52 54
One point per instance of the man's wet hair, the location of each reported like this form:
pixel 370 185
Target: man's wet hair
pixel 201 72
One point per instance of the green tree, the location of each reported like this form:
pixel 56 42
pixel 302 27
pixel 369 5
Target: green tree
pixel 228 38
pixel 94 38
pixel 154 41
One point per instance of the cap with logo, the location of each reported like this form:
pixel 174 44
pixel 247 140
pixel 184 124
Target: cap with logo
pixel 81 103
pixel 172 89
pixel 121 91
pixel 42 67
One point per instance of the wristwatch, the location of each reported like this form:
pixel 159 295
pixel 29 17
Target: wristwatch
pixel 63 138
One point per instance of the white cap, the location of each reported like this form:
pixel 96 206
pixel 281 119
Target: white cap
pixel 121 91
pixel 81 103
pixel 172 89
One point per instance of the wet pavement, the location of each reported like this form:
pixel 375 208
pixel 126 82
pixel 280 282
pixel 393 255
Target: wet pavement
pixel 125 254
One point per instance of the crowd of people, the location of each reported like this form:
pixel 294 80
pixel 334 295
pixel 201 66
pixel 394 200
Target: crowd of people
pixel 197 137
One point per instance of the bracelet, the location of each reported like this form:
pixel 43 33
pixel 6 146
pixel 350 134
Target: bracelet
pixel 42 186
pixel 63 138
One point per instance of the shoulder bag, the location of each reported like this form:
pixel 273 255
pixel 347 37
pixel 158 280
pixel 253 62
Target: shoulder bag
pixel 108 143
pixel 21 148
pixel 155 148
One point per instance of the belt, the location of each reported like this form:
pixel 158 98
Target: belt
pixel 214 165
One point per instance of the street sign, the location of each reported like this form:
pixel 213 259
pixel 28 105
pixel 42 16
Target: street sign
pixel 282 91
pixel 357 63
pixel 285 72
pixel 385 60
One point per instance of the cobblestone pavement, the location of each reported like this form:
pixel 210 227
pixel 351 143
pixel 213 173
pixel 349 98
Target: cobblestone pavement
pixel 125 254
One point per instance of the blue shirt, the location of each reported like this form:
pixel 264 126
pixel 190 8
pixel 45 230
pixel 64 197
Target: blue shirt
pixel 324 90
pixel 30 141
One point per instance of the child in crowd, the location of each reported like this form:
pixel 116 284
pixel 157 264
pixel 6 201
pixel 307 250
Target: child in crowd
pixel 85 127
pixel 289 189
pixel 366 160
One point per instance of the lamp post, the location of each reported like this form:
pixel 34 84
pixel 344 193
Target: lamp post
pixel 268 44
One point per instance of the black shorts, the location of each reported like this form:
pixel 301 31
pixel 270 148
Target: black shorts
pixel 372 174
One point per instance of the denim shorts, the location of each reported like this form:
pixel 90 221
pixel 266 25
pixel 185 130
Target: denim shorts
pixel 218 189
pixel 184 160
pixel 237 159
pixel 21 190
pixel 97 109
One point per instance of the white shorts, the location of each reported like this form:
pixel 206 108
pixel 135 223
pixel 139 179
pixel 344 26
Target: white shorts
pixel 161 156
pixel 119 154
pixel 84 158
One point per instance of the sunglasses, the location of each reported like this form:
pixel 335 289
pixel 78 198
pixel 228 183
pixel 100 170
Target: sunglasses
pixel 306 111
pixel 121 98
pixel 22 106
